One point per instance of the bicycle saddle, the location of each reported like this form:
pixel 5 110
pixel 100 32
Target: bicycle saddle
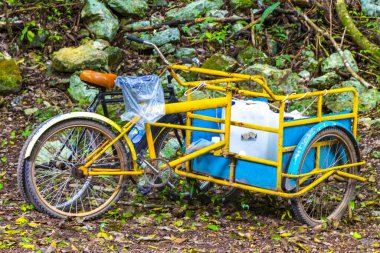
pixel 98 79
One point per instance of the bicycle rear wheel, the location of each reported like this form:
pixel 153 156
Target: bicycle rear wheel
pixel 328 200
pixel 54 180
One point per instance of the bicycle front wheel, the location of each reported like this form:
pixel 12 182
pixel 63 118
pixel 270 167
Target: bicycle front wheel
pixel 54 180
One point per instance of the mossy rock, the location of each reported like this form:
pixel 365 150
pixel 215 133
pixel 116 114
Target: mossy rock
pixel 250 55
pixel 90 55
pixel 220 62
pixel 80 91
pixel 194 9
pixel 100 20
pixel 129 7
pixel 326 81
pixel 368 98
pixel 335 62
pixel 10 77
pixel 242 4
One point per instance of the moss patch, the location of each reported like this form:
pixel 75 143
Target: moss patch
pixel 10 77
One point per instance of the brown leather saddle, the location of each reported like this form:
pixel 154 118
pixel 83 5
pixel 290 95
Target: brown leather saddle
pixel 97 79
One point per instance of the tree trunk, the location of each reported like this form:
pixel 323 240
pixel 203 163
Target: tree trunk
pixel 356 35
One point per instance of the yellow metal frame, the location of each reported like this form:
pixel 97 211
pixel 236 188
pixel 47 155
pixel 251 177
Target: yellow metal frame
pixel 222 147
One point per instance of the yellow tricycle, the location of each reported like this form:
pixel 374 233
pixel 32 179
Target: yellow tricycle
pixel 79 165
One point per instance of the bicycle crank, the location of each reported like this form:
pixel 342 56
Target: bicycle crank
pixel 157 173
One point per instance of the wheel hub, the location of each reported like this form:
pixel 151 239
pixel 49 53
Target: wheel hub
pixel 77 173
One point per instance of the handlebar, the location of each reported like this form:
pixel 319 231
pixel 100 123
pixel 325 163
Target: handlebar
pixel 138 40
pixel 141 41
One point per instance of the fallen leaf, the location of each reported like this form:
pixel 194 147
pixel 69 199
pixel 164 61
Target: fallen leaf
pixel 33 224
pixel 356 235
pixel 21 220
pixel 151 237
pixel 213 227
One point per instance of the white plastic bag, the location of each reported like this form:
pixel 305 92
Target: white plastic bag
pixel 143 96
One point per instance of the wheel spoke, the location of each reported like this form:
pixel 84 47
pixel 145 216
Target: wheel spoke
pixel 60 188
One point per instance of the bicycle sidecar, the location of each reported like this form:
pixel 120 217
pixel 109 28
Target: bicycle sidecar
pixel 317 153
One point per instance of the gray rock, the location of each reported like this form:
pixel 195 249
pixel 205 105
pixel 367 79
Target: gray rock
pixel 90 55
pixel 159 3
pixel 100 20
pixel 242 4
pixel 166 49
pixel 237 27
pixel 220 62
pixel 10 77
pixel 185 52
pixel 129 7
pixel 194 9
pixel 17 101
pixel 335 62
pixel 80 91
pixel 159 38
pixel 60 83
pixel 138 24
pixel 250 55
pixel 155 20
pixel 326 81
pixel 368 98
pixel 371 7
pixel 305 74
pixel 30 111
pixel 217 13
pixel 165 36
pixel 308 61
pixel 281 82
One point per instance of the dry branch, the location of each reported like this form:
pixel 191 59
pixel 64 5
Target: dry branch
pixel 13 25
pixel 337 47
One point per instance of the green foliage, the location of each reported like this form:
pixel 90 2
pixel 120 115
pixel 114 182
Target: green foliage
pixel 266 13
pixel 33 34
pixel 280 60
pixel 278 32
pixel 216 36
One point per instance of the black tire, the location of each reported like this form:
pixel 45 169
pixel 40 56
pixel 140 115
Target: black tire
pixel 329 199
pixel 53 180
pixel 22 162
pixel 170 145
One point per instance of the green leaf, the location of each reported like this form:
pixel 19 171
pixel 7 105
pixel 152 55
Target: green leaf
pixel 30 36
pixel 276 237
pixel 1 186
pixel 178 223
pixel 21 220
pixel 352 205
pixel 4 159
pixel 356 235
pixel 266 13
pixel 213 227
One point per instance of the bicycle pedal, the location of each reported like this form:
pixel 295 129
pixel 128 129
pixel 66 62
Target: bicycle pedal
pixel 144 189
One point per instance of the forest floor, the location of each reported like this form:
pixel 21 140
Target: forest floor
pixel 253 223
